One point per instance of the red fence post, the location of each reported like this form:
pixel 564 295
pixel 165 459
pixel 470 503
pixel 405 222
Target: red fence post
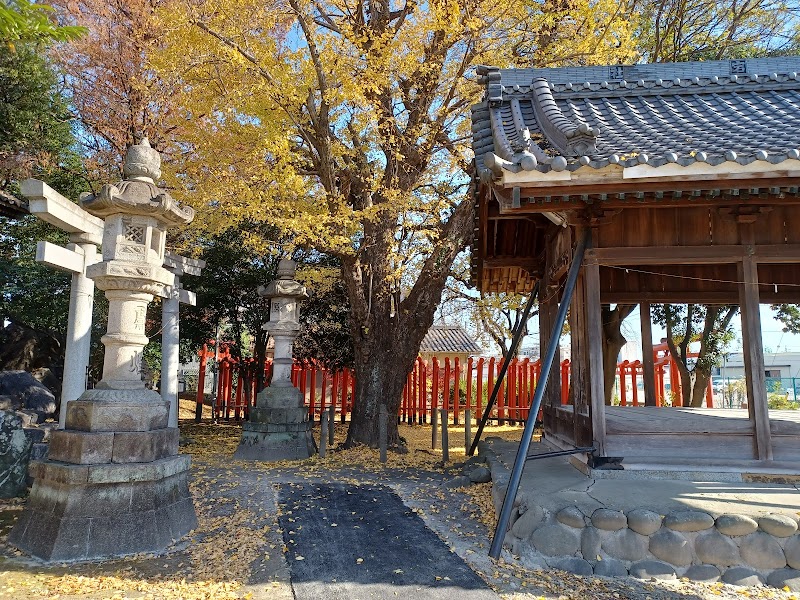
pixel 312 398
pixel 446 397
pixel 345 387
pixel 623 392
pixel 434 385
pixel 709 395
pixel 635 366
pixel 423 392
pixel 201 381
pixel 468 405
pixel 565 382
pixel 456 389
pixel 239 390
pixel 479 390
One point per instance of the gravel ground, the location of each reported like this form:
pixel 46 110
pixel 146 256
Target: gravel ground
pixel 238 551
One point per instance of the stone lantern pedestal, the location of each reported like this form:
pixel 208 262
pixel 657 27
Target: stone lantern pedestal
pixel 279 428
pixel 113 483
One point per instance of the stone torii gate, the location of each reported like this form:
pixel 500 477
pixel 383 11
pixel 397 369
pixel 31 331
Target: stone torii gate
pixel 85 235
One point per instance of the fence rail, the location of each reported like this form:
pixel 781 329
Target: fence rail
pixel 429 386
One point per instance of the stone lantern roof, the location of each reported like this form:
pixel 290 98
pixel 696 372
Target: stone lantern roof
pixel 137 193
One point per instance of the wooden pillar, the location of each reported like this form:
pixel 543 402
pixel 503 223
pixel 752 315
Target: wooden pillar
pixel 548 307
pixel 594 332
pixel 580 379
pixel 753 349
pixel 648 368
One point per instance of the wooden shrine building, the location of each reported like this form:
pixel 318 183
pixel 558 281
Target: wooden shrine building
pixel 684 180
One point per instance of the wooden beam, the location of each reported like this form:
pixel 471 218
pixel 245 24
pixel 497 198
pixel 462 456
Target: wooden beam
pixel 648 367
pixel 594 332
pixel 753 350
pixel 684 297
pixel 667 255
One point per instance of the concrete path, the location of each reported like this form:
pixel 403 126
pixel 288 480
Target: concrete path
pixel 555 483
pixel 361 542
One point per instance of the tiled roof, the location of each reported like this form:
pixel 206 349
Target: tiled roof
pixel 737 111
pixel 449 338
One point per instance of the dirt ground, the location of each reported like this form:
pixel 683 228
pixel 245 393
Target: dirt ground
pixel 238 549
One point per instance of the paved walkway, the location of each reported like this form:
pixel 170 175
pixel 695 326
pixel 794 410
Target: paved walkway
pixel 361 542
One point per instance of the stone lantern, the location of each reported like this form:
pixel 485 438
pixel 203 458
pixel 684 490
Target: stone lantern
pixel 113 483
pixel 279 427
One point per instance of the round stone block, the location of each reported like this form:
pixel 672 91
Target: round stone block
pixel 555 540
pixel 645 569
pixel 610 568
pixel 785 578
pixel 572 516
pixel 688 520
pixel 590 543
pixel 644 521
pixel 671 547
pixel 778 525
pixel 792 551
pixel 528 522
pixel 742 576
pixel 480 475
pixel 762 551
pixel 735 525
pixel 716 549
pixel 707 573
pixel 608 519
pixel 572 564
pixel 625 545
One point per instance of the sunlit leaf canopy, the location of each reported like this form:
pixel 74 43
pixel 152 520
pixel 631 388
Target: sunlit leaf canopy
pixel 331 119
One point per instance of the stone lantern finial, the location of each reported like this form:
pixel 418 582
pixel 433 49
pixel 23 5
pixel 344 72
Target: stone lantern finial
pixel 142 161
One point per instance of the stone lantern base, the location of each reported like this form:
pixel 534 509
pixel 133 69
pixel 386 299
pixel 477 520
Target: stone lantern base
pixel 113 483
pixel 278 428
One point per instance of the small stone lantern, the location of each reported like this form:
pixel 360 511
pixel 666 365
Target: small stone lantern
pixel 113 483
pixel 279 428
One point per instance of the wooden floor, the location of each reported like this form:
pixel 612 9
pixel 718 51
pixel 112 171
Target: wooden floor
pixel 668 420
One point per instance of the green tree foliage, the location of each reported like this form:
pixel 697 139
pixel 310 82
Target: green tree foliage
pixel 688 323
pixel 24 21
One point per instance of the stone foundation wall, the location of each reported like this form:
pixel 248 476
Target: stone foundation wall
pixel 731 548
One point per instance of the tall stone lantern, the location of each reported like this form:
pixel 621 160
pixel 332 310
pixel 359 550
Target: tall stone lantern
pixel 279 428
pixel 113 483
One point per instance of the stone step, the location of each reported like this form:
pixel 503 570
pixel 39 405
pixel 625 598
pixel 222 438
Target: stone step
pixel 130 415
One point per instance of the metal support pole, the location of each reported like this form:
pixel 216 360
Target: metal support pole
pixel 323 434
pixel 499 382
pixel 530 422
pixel 445 435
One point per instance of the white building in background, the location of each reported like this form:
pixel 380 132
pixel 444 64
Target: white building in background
pixel 777 365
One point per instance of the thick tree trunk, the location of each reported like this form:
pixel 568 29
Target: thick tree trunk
pixel 613 341
pixel 699 389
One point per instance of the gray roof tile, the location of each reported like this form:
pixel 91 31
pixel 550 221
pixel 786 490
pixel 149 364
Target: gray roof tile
pixel 449 338
pixel 653 114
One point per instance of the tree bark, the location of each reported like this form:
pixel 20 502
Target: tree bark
pixel 613 341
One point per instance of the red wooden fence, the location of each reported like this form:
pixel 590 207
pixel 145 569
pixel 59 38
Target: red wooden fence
pixel 428 386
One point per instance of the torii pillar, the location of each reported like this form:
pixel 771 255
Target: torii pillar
pixel 170 323
pixel 85 235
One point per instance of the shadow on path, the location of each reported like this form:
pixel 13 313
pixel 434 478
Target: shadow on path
pixel 362 542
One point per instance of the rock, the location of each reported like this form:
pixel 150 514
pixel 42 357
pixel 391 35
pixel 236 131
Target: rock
pixel 555 540
pixel 644 521
pixel 626 545
pixel 6 403
pixel 572 516
pixel 27 393
pixel 742 576
pixel 49 380
pixel 785 578
pixel 458 482
pixel 590 543
pixel 792 551
pixel 707 573
pixel 735 525
pixel 778 525
pixel 610 520
pixel 15 452
pixel 688 520
pixel 498 494
pixel 762 551
pixel 716 549
pixel 476 460
pixel 610 568
pixel 528 522
pixel 672 547
pixel 645 569
pixel 35 435
pixel 572 564
pixel 39 451
pixel 480 475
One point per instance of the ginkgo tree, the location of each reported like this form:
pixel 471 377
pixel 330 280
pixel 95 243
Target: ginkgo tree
pixel 346 124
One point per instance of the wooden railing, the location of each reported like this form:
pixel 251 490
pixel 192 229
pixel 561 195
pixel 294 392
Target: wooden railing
pixel 429 386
